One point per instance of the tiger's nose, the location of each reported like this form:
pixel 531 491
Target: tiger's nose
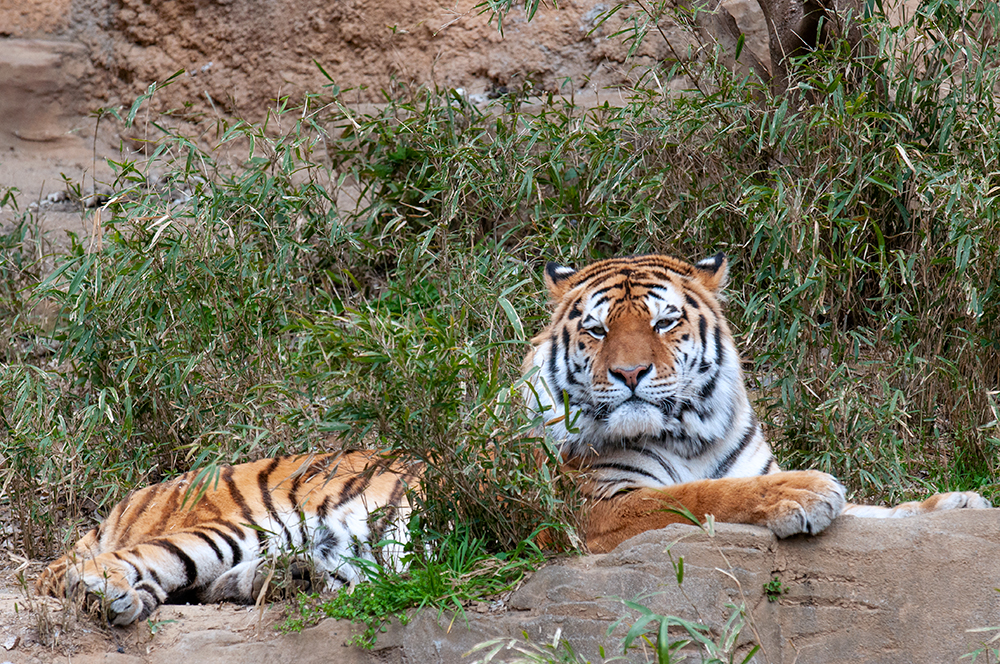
pixel 631 375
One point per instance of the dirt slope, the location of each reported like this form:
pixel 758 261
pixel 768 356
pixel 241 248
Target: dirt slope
pixel 244 53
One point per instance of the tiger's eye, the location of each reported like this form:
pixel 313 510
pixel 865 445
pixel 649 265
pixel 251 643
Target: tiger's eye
pixel 665 325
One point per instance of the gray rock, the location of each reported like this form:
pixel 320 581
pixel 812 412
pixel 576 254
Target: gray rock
pixel 866 590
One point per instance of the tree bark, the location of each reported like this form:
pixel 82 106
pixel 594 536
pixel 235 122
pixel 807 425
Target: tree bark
pixel 796 27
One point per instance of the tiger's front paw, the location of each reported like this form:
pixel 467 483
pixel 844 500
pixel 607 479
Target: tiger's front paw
pixel 805 501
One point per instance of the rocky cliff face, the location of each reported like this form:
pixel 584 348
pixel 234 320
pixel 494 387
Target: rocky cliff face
pixel 244 53
pixel 62 60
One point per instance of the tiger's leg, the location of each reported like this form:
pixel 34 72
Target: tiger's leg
pixel 786 502
pixel 244 583
pixel 938 502
pixel 130 583
pixel 241 584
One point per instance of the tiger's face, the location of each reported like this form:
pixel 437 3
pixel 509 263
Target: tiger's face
pixel 638 349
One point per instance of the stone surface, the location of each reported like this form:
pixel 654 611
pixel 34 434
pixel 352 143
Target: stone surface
pixel 886 591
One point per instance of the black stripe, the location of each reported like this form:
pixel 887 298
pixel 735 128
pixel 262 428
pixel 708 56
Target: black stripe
pixel 767 466
pixel 324 507
pixel 264 486
pixel 708 389
pixel 135 568
pixel 651 454
pixel 623 467
pixel 353 487
pixel 160 596
pixel 190 568
pixel 397 492
pixel 691 301
pixel 730 459
pixel 237 550
pixel 553 362
pixel 390 511
pixel 650 284
pixel 718 344
pixel 237 496
pixel 667 467
pixel 293 498
pixel 239 532
pixel 705 365
pixel 566 347
pixel 211 542
pixel 293 492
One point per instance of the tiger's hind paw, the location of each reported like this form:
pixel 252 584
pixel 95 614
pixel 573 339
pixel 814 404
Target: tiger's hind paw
pixel 106 592
pixel 955 500
pixel 801 502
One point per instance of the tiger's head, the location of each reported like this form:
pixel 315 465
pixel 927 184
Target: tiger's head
pixel 637 350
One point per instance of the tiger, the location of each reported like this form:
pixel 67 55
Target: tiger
pixel 639 381
pixel 636 380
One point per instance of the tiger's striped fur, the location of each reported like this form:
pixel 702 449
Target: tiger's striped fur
pixel 638 380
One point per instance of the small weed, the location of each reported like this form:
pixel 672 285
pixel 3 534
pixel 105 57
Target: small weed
pixel 990 648
pixel 774 589
pixel 156 625
pixel 654 630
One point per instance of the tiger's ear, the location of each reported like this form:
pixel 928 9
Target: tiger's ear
pixel 557 279
pixel 713 272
